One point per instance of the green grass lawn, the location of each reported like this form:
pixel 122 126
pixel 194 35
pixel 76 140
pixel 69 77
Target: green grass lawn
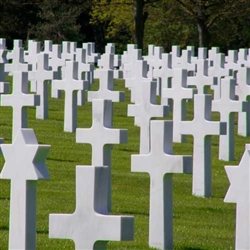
pixel 198 223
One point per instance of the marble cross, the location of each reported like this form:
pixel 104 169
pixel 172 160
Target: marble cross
pixel 90 226
pixel 67 54
pixel 201 128
pixel 226 106
pixel 18 63
pixel 101 135
pixel 24 166
pixel 19 100
pixel 34 48
pixel 56 63
pixel 218 70
pixel 161 164
pixel 238 193
pixel 85 70
pixel 41 75
pixel 232 63
pixel 243 92
pixel 48 48
pixel 163 74
pixel 201 79
pixel 17 44
pixel 70 84
pixel 179 93
pixel 144 110
pixel 242 57
pixel 212 54
pixel 106 88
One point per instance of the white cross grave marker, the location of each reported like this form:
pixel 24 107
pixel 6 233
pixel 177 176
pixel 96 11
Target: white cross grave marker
pixel 84 73
pixel 16 45
pixel 232 63
pixel 226 105
pixel 243 92
pixel 106 88
pixel 212 54
pixel 34 48
pixel 18 63
pixel 67 54
pixel 24 165
pixel 179 92
pixel 242 57
pixel 48 48
pixel 144 110
pixel 176 55
pixel 90 226
pixel 56 63
pixel 138 73
pixel 105 62
pixel 3 60
pixel 41 75
pixel 19 100
pixel 238 193
pixel 219 71
pixel 70 84
pixel 201 127
pixel 201 79
pixel 164 74
pixel 100 135
pixel 161 164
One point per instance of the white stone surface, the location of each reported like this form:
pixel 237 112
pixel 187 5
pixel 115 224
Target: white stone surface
pixel 242 57
pixel 161 164
pixel 202 53
pixel 145 110
pixel 176 55
pixel 185 62
pixel 56 63
pixel 106 88
pixel 85 70
pixel 201 127
pixel 70 84
pixel 18 63
pixel 218 70
pixel 19 100
pixel 128 58
pixel 227 105
pixel 24 165
pixel 48 48
pixel 67 54
pixel 138 73
pixel 179 93
pixel 212 54
pixel 3 60
pixel 201 79
pixel 101 135
pixel 243 92
pixel 232 63
pixel 106 62
pixel 17 43
pixel 238 193
pixel 164 74
pixel 42 74
pixel 92 56
pixel 30 57
pixel 90 226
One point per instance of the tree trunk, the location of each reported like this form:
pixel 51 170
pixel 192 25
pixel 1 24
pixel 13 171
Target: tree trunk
pixel 139 21
pixel 203 34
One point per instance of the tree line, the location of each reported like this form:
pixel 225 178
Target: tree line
pixel 222 23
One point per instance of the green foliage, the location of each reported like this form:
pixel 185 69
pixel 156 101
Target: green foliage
pixel 116 20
